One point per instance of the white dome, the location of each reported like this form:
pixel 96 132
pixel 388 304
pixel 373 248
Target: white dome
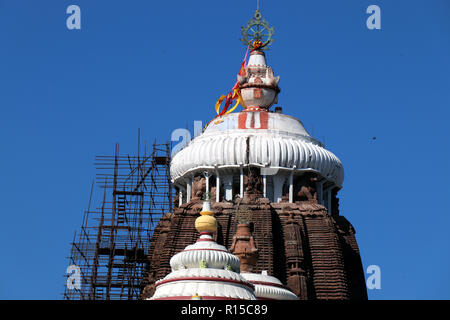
pixel 205 269
pixel 207 283
pixel 256 138
pixel 213 254
pixel 268 287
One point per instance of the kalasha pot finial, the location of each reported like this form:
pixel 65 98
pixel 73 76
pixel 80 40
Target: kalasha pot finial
pixel 256 87
pixel 257 84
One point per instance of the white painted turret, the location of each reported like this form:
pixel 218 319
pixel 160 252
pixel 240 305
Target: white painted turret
pixel 204 270
pixel 276 143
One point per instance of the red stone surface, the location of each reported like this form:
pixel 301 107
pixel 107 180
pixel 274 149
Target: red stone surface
pixel 313 253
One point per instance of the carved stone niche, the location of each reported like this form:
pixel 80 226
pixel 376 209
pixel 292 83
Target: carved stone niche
pixel 213 193
pixel 198 186
pixel 305 188
pixel 244 247
pixel 253 182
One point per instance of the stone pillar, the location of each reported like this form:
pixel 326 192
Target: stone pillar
pixel 327 195
pixel 278 182
pixel 264 186
pixel 206 174
pixel 320 191
pixel 180 196
pixel 189 190
pixel 241 182
pixel 228 187
pixel 291 187
pixel 270 188
pixel 329 201
pixel 217 187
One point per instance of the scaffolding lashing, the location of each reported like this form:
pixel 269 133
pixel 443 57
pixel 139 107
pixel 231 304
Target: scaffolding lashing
pixel 109 254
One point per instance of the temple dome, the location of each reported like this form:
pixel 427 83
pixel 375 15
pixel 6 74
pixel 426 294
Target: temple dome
pixel 256 138
pixel 204 270
pixel 268 287
pixel 209 284
pixel 213 254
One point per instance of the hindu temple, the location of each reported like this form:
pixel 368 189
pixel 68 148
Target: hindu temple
pixel 257 209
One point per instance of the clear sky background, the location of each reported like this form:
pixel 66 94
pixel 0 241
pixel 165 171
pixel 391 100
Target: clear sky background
pixel 68 95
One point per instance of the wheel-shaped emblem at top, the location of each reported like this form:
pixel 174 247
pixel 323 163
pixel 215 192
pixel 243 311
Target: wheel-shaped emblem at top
pixel 257 29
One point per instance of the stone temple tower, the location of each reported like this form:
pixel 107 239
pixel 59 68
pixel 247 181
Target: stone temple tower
pixel 263 169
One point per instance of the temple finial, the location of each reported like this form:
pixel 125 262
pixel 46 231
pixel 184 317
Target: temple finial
pixel 257 31
pixel 206 223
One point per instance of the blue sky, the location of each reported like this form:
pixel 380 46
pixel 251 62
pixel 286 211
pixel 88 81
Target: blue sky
pixel 68 95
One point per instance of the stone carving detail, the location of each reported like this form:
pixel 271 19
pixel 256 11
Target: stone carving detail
pixel 295 258
pixel 253 182
pixel 312 253
pixel 306 186
pixel 244 247
pixel 198 187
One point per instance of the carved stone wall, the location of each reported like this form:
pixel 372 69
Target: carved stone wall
pixel 310 251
